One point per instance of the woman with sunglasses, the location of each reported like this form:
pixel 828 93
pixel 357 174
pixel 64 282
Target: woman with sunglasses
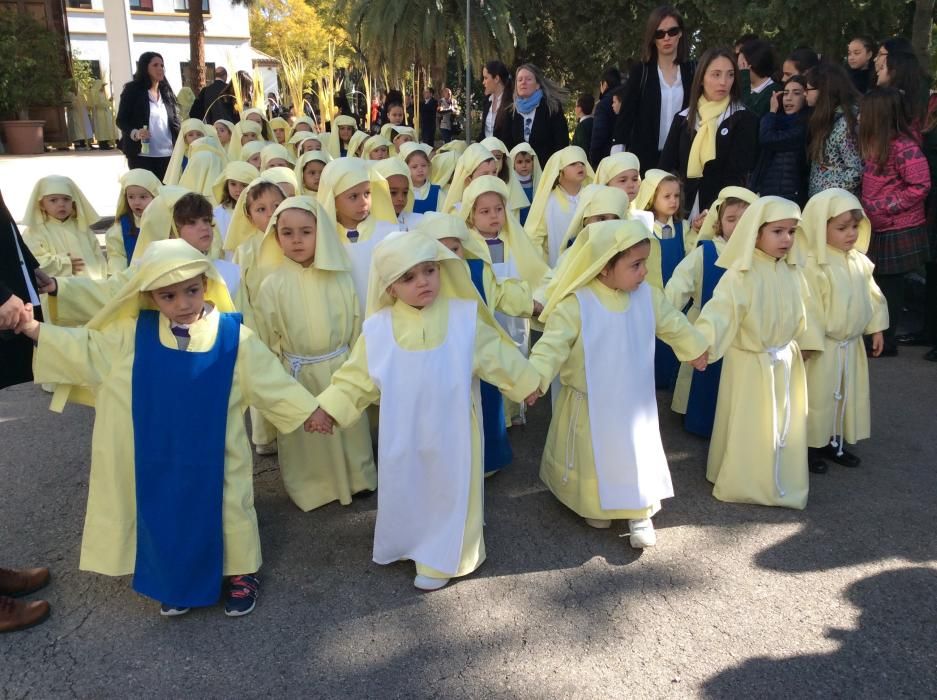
pixel 657 89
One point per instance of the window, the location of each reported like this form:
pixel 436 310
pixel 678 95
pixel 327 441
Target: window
pixel 80 4
pixel 183 6
pixel 141 5
pixel 187 77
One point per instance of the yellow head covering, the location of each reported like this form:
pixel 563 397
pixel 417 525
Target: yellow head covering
pixel 468 162
pixel 165 263
pixel 344 173
pixel 245 126
pixel 594 247
pixel 206 162
pixel 456 146
pixel 279 123
pixel 394 166
pixel 229 125
pixel 376 141
pixel 157 223
pixel 548 180
pixel 411 147
pixel 442 168
pixel 703 148
pixel 740 249
pixel 265 133
pixel 530 266
pixel 241 228
pixel 524 147
pixel 272 151
pixel 252 148
pixel 180 149
pixel 518 198
pixel 304 159
pixel 644 200
pixel 85 215
pixel 138 177
pixel 438 225
pixel 334 143
pixel 612 165
pixel 819 210
pixel 595 201
pixel 298 138
pixel 282 176
pixel 236 170
pixel 308 121
pixel 355 143
pixel 330 253
pixel 708 229
pixel 396 131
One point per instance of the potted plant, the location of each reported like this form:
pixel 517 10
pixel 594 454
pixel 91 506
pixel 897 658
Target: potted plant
pixel 32 74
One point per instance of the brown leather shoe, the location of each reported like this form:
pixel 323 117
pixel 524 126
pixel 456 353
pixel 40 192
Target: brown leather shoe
pixel 19 582
pixel 19 615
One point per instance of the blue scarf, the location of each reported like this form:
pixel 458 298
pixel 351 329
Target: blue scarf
pixel 526 105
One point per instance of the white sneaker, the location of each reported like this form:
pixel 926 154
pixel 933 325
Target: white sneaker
pixel 428 583
pixel 642 533
pixel 269 449
pixel 598 524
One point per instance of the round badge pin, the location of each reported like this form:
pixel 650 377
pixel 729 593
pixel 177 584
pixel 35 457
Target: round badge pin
pixel 724 131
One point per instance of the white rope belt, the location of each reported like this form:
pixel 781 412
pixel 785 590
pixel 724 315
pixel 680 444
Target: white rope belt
pixel 840 392
pixel 783 356
pixel 297 362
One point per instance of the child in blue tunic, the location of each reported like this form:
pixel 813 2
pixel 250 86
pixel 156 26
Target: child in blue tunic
pixel 426 196
pixel 170 497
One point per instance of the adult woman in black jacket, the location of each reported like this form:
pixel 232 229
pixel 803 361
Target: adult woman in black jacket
pixel 714 142
pixel 498 93
pixel 537 113
pixel 148 113
pixel 657 88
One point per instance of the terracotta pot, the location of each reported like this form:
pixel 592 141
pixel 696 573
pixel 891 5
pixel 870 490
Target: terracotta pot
pixel 23 137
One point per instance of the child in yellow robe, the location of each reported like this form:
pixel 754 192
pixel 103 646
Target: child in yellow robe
pixel 280 129
pixel 442 168
pixel 246 131
pixel 396 179
pixel 427 196
pixel 138 188
pixel 227 189
pixel 621 170
pixel 274 155
pixel 376 148
pixel 603 458
pixel 849 304
pixel 518 199
pixel 207 160
pixel 223 130
pixel 170 497
pixel 475 162
pixel 564 175
pixel 308 171
pixel 343 128
pixel 59 235
pixel 759 320
pixel 308 315
pixel 526 167
pixel 189 132
pixel 694 279
pixel 425 340
pixel 303 142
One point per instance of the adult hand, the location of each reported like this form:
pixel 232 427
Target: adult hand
pixel 45 284
pixel 10 312
pixel 27 324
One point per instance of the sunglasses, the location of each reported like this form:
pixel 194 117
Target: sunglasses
pixel 673 31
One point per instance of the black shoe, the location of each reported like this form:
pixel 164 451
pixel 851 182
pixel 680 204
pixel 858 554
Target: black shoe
pixel 815 462
pixel 846 459
pixel 931 355
pixel 918 338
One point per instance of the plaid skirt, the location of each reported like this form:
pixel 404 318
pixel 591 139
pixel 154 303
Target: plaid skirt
pixel 895 252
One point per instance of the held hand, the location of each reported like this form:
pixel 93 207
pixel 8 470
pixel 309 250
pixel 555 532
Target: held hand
pixel 697 223
pixel 10 312
pixel 78 264
pixel 27 324
pixel 44 283
pixel 807 354
pixel 538 308
pixel 319 422
pixel 878 344
pixel 700 363
pixel 532 399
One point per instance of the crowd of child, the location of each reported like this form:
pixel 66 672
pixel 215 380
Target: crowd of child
pixel 313 277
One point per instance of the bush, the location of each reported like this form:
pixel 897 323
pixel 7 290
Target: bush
pixel 32 69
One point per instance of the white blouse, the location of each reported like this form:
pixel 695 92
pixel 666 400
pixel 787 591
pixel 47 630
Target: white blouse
pixel 671 102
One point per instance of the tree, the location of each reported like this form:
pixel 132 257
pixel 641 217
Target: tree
pixel 197 40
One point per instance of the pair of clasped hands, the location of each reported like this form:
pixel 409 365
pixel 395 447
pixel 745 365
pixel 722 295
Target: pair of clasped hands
pixel 322 422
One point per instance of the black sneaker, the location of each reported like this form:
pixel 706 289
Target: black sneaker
pixel 815 462
pixel 167 610
pixel 846 459
pixel 242 595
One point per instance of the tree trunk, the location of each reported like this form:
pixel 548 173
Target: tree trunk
pixel 197 45
pixel 921 29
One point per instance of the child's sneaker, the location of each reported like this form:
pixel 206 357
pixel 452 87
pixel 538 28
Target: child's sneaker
pixel 242 595
pixel 167 610
pixel 428 583
pixel 642 533
pixel 598 523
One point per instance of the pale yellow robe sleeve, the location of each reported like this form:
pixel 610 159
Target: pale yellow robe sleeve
pixel 512 297
pixel 116 253
pixel 352 389
pixel 812 332
pixel 674 329
pixel 50 261
pixel 499 362
pixel 682 285
pixel 880 320
pixel 720 318
pixel 80 356
pixel 553 349
pixel 269 388
pixel 77 299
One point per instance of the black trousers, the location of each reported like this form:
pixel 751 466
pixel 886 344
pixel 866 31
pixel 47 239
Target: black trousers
pixel 157 166
pixel 892 287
